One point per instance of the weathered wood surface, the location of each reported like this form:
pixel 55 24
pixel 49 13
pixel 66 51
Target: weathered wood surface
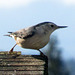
pixel 17 64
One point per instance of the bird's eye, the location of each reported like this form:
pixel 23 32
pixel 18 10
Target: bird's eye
pixel 52 26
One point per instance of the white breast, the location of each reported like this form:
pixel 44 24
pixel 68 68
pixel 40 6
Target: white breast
pixel 35 42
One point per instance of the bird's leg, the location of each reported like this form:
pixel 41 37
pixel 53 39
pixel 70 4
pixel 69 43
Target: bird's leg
pixel 12 49
pixel 41 53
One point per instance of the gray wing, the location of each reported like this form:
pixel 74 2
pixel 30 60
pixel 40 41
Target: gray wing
pixel 24 34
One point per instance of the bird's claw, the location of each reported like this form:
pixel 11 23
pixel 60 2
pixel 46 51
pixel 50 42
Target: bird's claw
pixel 11 51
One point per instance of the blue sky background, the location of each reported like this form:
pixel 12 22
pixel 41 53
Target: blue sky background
pixel 18 14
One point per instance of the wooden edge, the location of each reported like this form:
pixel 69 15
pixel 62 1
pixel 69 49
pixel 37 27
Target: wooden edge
pixel 7 53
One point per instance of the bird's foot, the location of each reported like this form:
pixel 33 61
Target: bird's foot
pixel 42 54
pixel 11 51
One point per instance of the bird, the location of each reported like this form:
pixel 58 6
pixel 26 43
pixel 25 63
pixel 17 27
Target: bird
pixel 34 37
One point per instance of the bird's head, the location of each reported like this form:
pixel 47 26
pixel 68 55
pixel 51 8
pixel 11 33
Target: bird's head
pixel 50 26
pixel 54 26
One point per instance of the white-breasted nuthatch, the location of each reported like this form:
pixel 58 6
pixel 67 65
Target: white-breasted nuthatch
pixel 34 37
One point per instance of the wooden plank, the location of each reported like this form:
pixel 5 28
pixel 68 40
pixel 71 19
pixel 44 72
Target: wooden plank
pixel 20 60
pixel 18 64
pixel 24 63
pixel 7 53
pixel 21 72
pixel 22 68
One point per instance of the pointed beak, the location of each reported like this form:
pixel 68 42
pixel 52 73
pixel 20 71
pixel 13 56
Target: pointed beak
pixel 62 26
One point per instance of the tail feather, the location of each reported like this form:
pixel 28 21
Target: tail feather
pixel 9 34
